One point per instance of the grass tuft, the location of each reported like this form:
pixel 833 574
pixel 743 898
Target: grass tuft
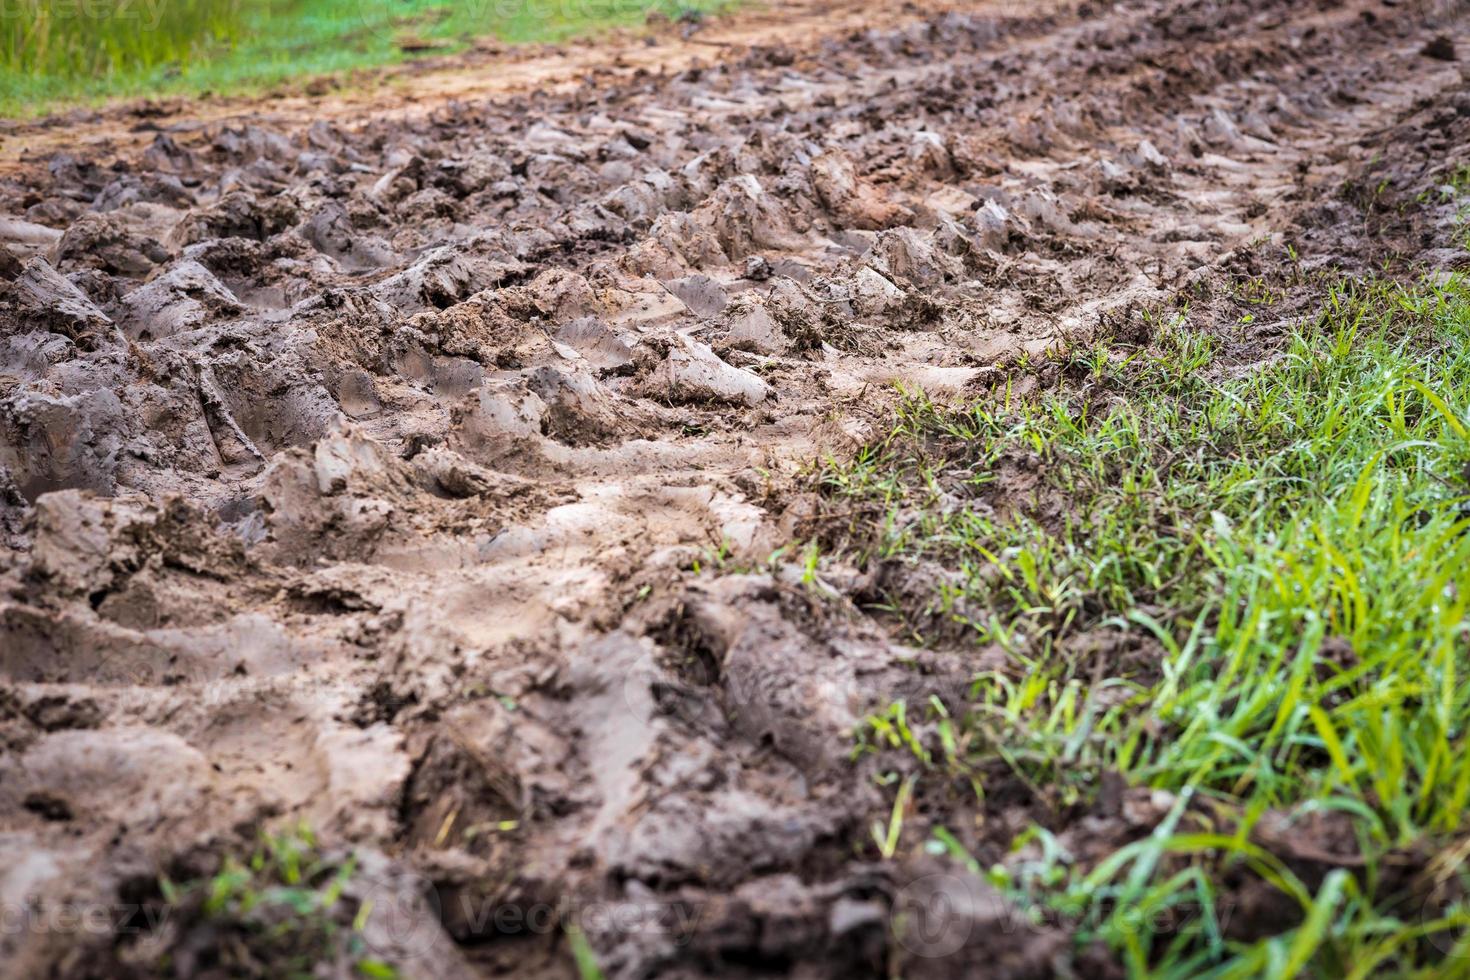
pixel 1244 585
pixel 280 912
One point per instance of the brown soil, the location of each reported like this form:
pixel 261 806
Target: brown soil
pixel 355 456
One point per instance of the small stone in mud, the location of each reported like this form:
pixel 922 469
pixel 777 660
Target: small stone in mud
pixel 757 268
pixel 1440 48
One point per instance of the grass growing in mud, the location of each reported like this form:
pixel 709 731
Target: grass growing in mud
pixel 54 52
pixel 1248 586
pixel 279 912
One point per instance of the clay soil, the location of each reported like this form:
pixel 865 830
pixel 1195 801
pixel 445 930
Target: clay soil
pixel 410 467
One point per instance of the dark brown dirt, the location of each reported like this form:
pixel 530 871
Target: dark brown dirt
pixel 354 472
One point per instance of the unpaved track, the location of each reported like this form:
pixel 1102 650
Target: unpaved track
pixel 417 88
pixel 362 477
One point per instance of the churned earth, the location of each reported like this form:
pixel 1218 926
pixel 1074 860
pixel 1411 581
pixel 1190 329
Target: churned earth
pixel 433 475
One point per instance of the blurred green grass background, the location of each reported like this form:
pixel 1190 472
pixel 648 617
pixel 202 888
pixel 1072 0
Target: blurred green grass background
pixel 55 53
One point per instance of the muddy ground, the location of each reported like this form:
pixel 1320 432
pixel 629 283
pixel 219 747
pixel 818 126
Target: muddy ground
pixel 414 474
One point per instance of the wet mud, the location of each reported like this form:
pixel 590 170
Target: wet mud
pixel 417 477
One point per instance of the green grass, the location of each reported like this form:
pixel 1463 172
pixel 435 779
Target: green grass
pixel 280 911
pixel 1287 543
pixel 60 52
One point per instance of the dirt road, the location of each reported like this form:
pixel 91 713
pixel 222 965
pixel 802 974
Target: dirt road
pixel 423 473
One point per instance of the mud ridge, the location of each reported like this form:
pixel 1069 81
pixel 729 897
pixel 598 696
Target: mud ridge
pixel 357 472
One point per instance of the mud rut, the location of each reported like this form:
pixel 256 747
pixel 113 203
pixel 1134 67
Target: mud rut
pixel 354 472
